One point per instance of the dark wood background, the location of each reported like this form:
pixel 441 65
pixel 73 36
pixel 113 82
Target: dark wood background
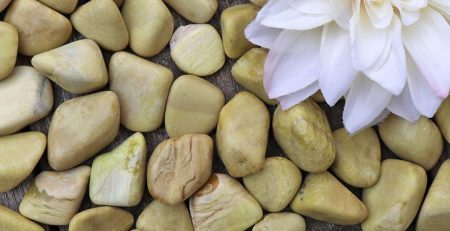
pixel 224 81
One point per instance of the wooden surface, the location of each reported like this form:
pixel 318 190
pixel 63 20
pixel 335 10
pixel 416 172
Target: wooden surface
pixel 224 81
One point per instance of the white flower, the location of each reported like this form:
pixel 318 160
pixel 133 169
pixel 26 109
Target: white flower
pixel 382 55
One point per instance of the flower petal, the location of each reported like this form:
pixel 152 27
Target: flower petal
pixel 290 100
pixel 379 12
pixel 311 6
pixel 442 6
pixel 291 19
pixel 409 10
pixel 403 106
pixel 342 12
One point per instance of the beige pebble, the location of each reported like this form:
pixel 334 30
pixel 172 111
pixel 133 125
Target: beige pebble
pixel 102 219
pixel 63 6
pixel 233 22
pixel 10 220
pixel 118 176
pixel 19 154
pixel 100 20
pixel 435 212
pixel 193 106
pixel 25 97
pixel 304 134
pixel 248 71
pixel 197 11
pixel 81 127
pixel 223 204
pixel 281 221
pixel 318 97
pixel 275 184
pixel 77 67
pixel 160 216
pixel 443 120
pixel 324 198
pixel 55 197
pixel 4 4
pixel 242 134
pixel 197 49
pixel 150 25
pixel 40 27
pixel 9 42
pixel 358 157
pixel 178 167
pixel 419 142
pixel 142 88
pixel 259 3
pixel 395 199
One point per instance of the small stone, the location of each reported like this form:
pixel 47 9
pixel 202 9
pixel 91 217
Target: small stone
pixel 259 3
pixel 19 154
pixel 63 6
pixel 435 212
pixel 77 67
pixel 324 198
pixel 142 88
pixel 9 43
pixel 197 49
pixel 395 199
pixel 304 134
pixel 40 27
pixel 10 220
pixel 4 4
pixel 233 21
pixel 318 97
pixel 223 204
pixel 278 221
pixel 420 142
pixel 81 127
pixel 121 171
pixel 178 167
pixel 275 185
pixel 193 106
pixel 358 157
pixel 25 97
pixel 102 219
pixel 150 25
pixel 242 134
pixel 100 20
pixel 55 197
pixel 160 216
pixel 248 71
pixel 443 120
pixel 197 11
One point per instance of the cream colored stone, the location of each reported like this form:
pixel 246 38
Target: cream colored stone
pixel 4 4
pixel 395 199
pixel 160 216
pixel 77 67
pixel 242 134
pixel 197 11
pixel 40 27
pixel 150 25
pixel 197 49
pixel 419 142
pixel 223 204
pixel 100 20
pixel 358 157
pixel 178 167
pixel 259 3
pixel 63 6
pixel 435 212
pixel 25 97
pixel 248 71
pixel 9 42
pixel 275 184
pixel 118 177
pixel 81 127
pixel 443 120
pixel 281 221
pixel 10 220
pixel 142 88
pixel 318 97
pixel 102 219
pixel 324 198
pixel 304 134
pixel 193 106
pixel 55 197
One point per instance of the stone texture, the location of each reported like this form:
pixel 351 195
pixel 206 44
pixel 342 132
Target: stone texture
pixel 160 216
pixel 281 221
pixel 102 219
pixel 9 43
pixel 10 220
pixel 197 11
pixel 63 6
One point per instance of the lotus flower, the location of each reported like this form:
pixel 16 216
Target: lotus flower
pixel 381 55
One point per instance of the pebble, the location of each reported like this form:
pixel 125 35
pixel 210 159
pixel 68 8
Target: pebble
pixel 10 220
pixel 197 11
pixel 318 97
pixel 443 120
pixel 160 216
pixel 102 219
pixel 9 43
pixel 259 3
pixel 77 67
pixel 81 127
pixel 281 221
pixel 142 88
pixel 178 167
pixel 25 97
pixel 40 27
pixel 118 176
pixel 193 106
pixel 63 6
pixel 242 134
pixel 4 4
pixel 55 197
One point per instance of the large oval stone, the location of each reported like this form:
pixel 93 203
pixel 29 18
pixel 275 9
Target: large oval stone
pixel 10 220
pixel 102 219
pixel 9 43
pixel 161 216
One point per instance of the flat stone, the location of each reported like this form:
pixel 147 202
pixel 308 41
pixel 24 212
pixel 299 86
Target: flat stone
pixel 277 221
pixel 102 219
pixel 443 120
pixel 160 216
pixel 10 220
pixel 193 106
pixel 197 11
pixel 63 6
pixel 9 43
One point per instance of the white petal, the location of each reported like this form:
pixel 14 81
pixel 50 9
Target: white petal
pixel 290 100
pixel 311 6
pixel 380 12
pixel 291 19
pixel 403 106
pixel 409 10
pixel 442 6
pixel 342 12
pixel 261 35
pixel 292 64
